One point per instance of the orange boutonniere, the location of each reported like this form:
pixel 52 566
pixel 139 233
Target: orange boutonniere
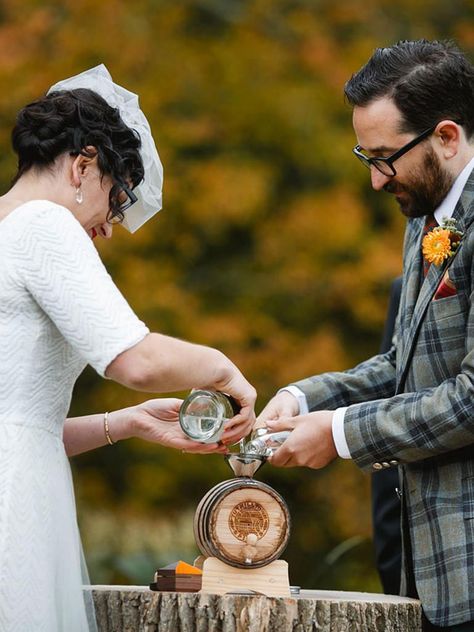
pixel 441 242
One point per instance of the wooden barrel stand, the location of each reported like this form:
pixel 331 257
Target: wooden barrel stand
pixel 241 527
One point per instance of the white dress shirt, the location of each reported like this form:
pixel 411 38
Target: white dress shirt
pixel 444 210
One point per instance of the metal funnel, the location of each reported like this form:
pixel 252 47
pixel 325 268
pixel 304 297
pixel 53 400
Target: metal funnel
pixel 245 464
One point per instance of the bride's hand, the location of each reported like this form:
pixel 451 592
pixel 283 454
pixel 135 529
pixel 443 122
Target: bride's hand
pixel 156 420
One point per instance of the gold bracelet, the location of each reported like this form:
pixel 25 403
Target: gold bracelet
pixel 106 429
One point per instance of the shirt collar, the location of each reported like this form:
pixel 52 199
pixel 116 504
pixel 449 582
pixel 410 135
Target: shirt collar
pixel 447 206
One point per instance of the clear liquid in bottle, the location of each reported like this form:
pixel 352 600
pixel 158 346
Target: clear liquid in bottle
pixel 203 414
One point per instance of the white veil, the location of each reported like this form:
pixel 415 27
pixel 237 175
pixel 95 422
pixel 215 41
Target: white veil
pixel 148 192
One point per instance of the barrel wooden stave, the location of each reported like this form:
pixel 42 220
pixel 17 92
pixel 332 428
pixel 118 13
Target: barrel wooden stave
pixel 201 516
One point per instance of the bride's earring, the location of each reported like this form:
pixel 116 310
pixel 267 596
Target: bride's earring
pixel 79 196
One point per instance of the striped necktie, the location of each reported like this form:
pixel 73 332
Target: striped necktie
pixel 430 223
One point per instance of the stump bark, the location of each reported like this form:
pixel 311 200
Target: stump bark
pixel 137 609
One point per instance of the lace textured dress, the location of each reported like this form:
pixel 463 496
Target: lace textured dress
pixel 59 310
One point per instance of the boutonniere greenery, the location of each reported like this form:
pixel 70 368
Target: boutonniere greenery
pixel 441 242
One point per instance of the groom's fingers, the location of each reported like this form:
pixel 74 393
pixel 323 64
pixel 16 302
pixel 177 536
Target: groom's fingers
pixel 283 423
pixel 272 413
pixel 281 457
pixel 265 415
pixel 272 410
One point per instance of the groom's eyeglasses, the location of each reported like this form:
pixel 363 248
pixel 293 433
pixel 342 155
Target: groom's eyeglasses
pixel 385 165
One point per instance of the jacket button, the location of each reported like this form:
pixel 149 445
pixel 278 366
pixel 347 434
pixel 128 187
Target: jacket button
pixel 377 466
pixel 394 462
pixel 385 464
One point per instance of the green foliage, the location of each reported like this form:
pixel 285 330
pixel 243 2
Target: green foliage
pixel 271 245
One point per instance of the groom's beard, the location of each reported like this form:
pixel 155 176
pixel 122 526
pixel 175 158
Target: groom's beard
pixel 425 188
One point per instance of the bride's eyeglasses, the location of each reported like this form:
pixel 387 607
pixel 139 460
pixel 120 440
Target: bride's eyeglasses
pixel 125 199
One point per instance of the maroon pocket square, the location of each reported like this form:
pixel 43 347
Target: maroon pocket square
pixel 445 288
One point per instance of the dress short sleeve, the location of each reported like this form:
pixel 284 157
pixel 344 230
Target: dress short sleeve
pixel 62 270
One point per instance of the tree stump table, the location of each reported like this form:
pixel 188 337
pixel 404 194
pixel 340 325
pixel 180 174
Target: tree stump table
pixel 138 609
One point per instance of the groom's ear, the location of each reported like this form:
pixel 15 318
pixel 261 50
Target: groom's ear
pixel 448 136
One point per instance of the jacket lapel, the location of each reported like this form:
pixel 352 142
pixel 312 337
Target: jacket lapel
pixel 412 273
pixel 416 302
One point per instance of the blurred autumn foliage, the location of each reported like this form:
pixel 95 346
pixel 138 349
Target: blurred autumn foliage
pixel 271 245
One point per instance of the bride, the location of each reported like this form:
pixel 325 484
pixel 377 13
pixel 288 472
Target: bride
pixel 82 167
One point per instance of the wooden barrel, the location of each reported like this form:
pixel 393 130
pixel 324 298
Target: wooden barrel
pixel 242 522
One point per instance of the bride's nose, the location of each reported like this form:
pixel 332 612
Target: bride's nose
pixel 105 230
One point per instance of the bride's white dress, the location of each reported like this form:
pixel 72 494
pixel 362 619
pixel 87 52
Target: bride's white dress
pixel 59 310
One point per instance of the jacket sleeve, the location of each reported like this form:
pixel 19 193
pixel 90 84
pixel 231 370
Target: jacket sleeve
pixel 373 379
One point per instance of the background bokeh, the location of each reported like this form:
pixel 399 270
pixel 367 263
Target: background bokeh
pixel 271 245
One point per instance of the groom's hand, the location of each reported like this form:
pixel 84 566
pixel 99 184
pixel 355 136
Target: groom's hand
pixel 310 443
pixel 284 404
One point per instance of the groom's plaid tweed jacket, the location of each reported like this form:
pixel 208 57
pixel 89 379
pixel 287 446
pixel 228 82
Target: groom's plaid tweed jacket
pixel 416 410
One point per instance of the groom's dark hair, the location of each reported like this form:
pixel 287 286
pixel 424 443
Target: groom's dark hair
pixel 427 80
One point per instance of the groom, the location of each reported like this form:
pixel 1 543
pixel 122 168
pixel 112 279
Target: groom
pixel 413 407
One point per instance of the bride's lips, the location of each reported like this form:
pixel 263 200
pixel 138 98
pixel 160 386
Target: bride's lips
pixel 93 233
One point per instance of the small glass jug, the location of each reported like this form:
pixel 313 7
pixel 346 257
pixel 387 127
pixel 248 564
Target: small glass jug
pixel 203 414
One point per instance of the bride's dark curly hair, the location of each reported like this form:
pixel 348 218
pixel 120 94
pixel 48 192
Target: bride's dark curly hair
pixel 69 121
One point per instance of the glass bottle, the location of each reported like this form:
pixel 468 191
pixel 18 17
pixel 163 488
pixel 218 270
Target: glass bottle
pixel 264 443
pixel 203 414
